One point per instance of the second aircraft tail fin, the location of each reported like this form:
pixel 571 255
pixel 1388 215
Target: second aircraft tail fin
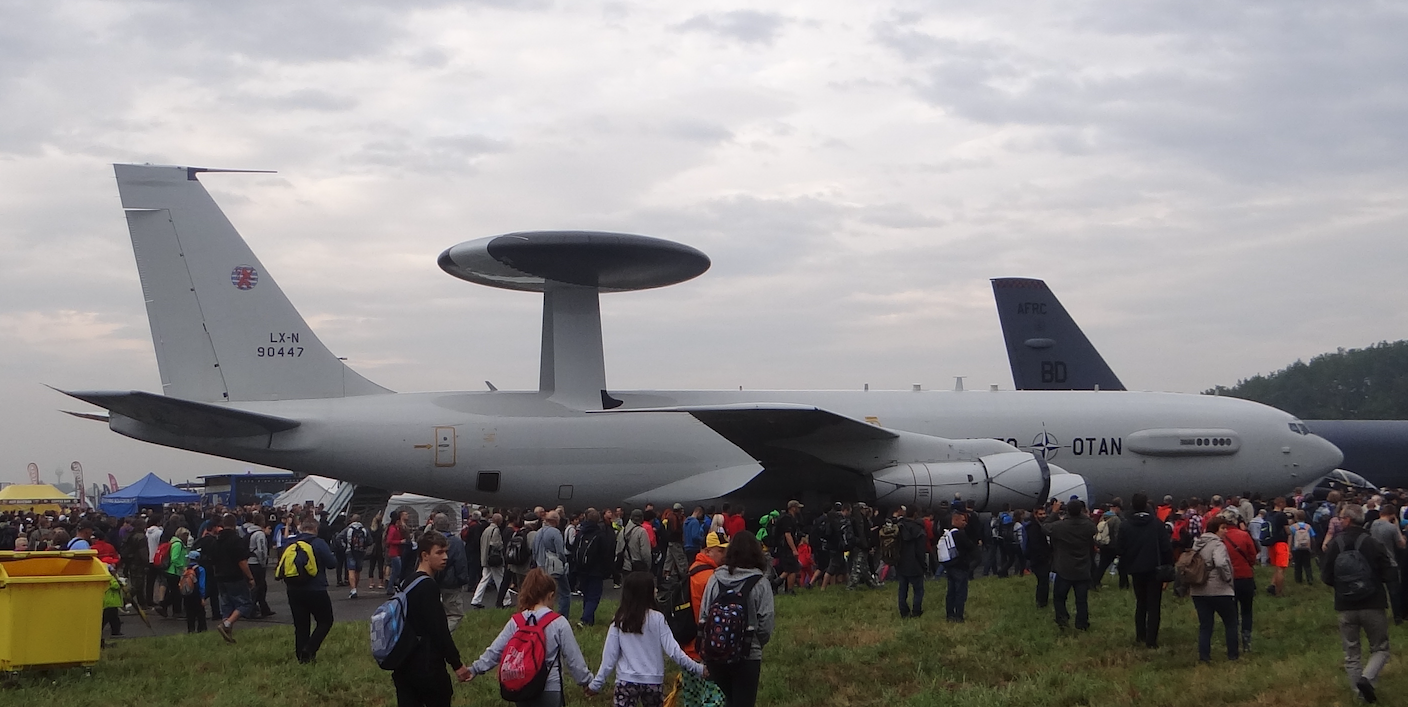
pixel 1045 347
pixel 223 329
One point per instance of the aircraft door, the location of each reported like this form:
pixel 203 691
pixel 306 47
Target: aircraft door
pixel 444 446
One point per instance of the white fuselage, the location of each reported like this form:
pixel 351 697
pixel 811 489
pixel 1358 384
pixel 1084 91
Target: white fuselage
pixel 538 452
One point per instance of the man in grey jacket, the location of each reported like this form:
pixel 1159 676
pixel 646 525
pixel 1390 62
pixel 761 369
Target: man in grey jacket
pixel 550 555
pixel 1356 613
pixel 633 546
pixel 491 558
pixel 455 575
pixel 1072 540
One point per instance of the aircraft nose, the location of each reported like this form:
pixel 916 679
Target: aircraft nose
pixel 1321 455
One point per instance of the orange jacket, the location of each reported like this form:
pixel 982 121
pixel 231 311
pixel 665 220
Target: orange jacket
pixel 697 582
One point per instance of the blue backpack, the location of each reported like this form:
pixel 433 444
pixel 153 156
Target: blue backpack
pixel 392 640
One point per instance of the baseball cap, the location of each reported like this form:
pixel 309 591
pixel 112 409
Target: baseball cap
pixel 715 540
pixel 795 504
pixel 679 506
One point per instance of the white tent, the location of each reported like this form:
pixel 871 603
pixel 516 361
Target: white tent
pixel 317 489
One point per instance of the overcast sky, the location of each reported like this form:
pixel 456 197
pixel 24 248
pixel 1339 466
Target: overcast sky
pixel 1214 190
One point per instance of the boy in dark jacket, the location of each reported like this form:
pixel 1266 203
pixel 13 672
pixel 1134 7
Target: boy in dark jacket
pixel 1367 612
pixel 1144 545
pixel 308 600
pixel 421 679
pixel 959 567
pixel 914 555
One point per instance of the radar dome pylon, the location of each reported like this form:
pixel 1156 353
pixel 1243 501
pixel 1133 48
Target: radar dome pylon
pixel 572 269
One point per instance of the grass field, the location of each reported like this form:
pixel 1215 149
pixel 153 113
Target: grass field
pixel 831 648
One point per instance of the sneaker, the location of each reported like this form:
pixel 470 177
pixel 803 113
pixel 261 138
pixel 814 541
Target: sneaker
pixel 476 607
pixel 225 631
pixel 353 595
pixel 160 611
pixel 615 586
pixel 1366 690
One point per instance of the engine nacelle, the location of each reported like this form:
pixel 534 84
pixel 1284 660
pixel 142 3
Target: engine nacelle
pixel 1018 478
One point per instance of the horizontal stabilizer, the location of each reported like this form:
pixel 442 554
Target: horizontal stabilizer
pixel 94 416
pixel 700 487
pixel 185 417
pixel 769 432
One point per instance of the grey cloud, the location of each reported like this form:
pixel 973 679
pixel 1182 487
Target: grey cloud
pixel 896 215
pixel 437 155
pixel 747 26
pixel 697 131
pixel 304 99
pixel 1234 92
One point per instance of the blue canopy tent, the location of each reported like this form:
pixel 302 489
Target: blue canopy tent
pixel 149 491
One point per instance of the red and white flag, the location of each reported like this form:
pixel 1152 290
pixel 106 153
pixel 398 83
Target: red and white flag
pixel 112 483
pixel 34 473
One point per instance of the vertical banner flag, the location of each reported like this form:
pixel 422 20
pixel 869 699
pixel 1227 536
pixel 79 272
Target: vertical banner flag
pixel 77 470
pixel 112 483
pixel 34 473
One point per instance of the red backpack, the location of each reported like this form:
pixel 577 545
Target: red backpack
pixel 524 666
pixel 163 556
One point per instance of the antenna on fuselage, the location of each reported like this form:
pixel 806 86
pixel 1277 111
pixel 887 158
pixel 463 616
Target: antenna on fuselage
pixel 572 269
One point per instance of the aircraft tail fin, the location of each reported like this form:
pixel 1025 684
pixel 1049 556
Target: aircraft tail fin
pixel 223 329
pixel 1045 347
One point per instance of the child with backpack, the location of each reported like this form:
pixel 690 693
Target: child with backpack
pixel 736 620
pixel 191 586
pixel 636 644
pixel 1303 537
pixel 535 649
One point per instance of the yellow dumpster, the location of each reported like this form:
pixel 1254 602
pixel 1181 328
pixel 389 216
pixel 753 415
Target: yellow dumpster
pixel 51 609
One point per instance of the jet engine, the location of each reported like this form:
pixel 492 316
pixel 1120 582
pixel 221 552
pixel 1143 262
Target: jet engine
pixel 1021 479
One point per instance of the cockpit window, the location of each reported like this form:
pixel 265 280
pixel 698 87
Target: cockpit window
pixel 1299 428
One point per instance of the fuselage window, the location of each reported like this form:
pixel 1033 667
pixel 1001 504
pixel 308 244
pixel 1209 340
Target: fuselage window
pixel 488 481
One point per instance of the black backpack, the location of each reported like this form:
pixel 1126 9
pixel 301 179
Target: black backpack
pixel 678 604
pixel 516 550
pixel 845 534
pixel 582 553
pixel 495 556
pixel 1355 579
pixel 821 533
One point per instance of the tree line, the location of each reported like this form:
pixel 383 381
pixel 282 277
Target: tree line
pixel 1349 384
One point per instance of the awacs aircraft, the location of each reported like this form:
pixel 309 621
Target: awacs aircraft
pixel 1048 351
pixel 244 377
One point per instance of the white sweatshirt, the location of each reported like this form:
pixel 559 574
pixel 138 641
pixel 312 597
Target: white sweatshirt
pixel 638 658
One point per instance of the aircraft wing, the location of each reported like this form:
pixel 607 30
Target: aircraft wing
pixel 184 417
pixel 772 432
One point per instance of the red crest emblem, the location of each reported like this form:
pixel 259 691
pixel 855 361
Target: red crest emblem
pixel 244 277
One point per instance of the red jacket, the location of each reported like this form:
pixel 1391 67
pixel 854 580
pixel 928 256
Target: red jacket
pixel 1242 551
pixel 734 524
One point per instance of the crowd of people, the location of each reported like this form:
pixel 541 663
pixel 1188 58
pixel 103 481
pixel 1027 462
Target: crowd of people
pixel 698 586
